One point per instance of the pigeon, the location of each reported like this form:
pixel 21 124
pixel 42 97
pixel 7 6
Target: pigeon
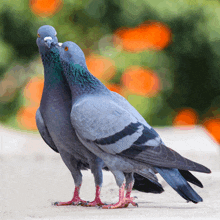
pixel 109 127
pixel 53 119
pixel 54 125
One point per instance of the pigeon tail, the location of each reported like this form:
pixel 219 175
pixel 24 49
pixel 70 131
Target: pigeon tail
pixel 179 184
pixel 190 178
pixel 143 184
pixel 162 156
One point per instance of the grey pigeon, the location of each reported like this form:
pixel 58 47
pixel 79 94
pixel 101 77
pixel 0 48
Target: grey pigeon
pixel 53 118
pixel 53 122
pixel 113 130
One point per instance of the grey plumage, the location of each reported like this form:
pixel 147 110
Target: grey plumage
pixel 53 115
pixel 44 132
pixel 53 118
pixel 114 131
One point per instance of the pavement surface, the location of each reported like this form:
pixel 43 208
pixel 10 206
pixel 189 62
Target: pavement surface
pixel 32 177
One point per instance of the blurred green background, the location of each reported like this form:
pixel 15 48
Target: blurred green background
pixel 185 70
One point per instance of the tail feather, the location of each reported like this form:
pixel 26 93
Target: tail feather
pixel 143 184
pixel 190 178
pixel 161 156
pixel 179 184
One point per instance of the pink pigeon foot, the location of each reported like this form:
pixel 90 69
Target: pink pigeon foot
pixel 128 197
pixel 123 201
pixel 97 201
pixel 74 201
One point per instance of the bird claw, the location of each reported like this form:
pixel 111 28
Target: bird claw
pixel 77 202
pixel 94 204
pixel 82 203
pixel 121 204
pixel 100 206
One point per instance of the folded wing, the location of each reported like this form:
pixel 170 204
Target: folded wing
pixel 118 132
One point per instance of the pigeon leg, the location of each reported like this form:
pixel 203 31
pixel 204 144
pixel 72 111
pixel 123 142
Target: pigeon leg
pixel 128 197
pixel 74 201
pixel 96 165
pixel 129 186
pixel 121 202
pixel 71 163
pixel 97 201
pixel 120 180
pixel 124 201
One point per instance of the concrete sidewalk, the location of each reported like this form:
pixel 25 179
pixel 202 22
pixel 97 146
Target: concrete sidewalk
pixel 33 177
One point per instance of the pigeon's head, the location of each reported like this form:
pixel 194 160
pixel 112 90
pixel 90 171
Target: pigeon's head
pixel 72 53
pixel 46 37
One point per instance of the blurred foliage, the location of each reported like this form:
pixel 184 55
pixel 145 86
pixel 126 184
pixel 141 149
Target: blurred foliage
pixel 187 68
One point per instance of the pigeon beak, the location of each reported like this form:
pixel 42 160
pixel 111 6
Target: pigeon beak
pixel 48 41
pixel 57 45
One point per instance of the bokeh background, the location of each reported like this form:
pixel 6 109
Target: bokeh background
pixel 163 56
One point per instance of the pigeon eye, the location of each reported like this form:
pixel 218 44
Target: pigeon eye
pixel 66 48
pixel 38 35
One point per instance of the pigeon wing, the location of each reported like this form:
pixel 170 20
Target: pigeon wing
pixel 115 130
pixel 108 125
pixel 44 132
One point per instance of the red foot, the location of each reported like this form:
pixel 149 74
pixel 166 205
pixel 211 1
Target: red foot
pixel 97 201
pixel 123 201
pixel 121 204
pixel 128 201
pixel 128 197
pixel 71 202
pixel 75 200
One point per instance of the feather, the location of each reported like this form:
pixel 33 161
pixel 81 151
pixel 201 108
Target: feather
pixel 109 127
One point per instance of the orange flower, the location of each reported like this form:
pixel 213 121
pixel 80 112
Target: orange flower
pixel 114 87
pixel 149 35
pixel 26 118
pixel 33 90
pixel 186 117
pixel 141 81
pixel 45 8
pixel 100 67
pixel 213 127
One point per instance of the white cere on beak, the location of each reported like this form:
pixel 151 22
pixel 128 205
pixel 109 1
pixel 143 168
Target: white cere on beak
pixel 47 38
pixel 60 44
